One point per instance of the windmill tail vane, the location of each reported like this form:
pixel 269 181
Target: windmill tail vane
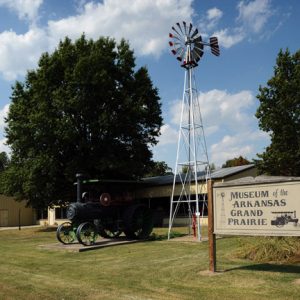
pixel 214 46
pixel 187 45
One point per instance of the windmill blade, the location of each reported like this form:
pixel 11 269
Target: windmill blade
pixel 174 36
pixel 177 37
pixel 190 29
pixel 177 50
pixel 173 43
pixel 198 42
pixel 195 33
pixel 184 25
pixel 193 61
pixel 175 30
pixel 181 54
pixel 178 24
pixel 199 50
pixel 214 46
pixel 198 53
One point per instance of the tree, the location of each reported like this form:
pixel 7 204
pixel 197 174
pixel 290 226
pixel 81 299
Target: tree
pixel 4 161
pixel 237 161
pixel 159 168
pixel 279 115
pixel 212 167
pixel 86 108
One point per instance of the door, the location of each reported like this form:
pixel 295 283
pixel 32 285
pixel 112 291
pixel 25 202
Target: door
pixel 3 217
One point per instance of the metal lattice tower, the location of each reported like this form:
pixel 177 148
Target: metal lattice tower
pixel 192 158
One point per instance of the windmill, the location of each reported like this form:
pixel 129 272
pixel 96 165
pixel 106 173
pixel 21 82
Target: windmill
pixel 191 160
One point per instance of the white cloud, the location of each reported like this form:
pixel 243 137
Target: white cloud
pixel 20 52
pixel 228 39
pixel 242 143
pixel 213 16
pixel 252 20
pixel 214 13
pixel 254 15
pixel 144 23
pixel 230 108
pixel 25 9
pixel 169 135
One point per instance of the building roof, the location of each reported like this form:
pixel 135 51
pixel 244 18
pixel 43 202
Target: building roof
pixel 225 172
pixel 262 179
pixel 216 174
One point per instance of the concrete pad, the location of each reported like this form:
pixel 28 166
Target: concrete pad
pixel 77 247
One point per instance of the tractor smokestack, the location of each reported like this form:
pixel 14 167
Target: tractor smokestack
pixel 79 183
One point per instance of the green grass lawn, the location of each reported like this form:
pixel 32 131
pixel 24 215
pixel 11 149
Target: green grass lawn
pixel 158 269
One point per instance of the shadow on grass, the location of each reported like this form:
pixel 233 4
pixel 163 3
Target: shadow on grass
pixel 269 268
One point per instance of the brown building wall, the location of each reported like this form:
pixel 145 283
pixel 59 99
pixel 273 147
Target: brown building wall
pixel 13 212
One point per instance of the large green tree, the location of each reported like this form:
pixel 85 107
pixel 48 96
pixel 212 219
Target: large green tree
pixel 279 115
pixel 86 108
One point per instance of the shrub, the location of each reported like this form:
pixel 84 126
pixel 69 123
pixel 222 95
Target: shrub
pixel 269 249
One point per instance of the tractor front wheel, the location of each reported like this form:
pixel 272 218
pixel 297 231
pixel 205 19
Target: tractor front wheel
pixel 65 233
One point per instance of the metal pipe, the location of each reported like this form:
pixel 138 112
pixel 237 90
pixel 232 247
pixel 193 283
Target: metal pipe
pixel 79 184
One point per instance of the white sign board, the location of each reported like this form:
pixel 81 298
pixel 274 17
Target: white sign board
pixel 271 209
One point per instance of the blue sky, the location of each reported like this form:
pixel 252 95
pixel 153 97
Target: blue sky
pixel 250 32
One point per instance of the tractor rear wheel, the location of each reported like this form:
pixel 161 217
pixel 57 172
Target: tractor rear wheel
pixel 138 222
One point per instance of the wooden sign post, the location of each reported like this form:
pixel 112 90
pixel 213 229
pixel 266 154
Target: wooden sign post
pixel 211 235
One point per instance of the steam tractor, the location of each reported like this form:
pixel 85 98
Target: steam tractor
pixel 106 208
pixel 284 217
